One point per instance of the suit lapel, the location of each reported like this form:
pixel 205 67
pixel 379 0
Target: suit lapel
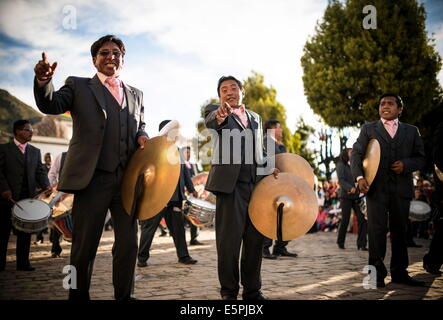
pixel 97 88
pixel 130 96
pixel 382 131
pixel 16 152
pixel 401 133
pixel 238 121
pixel 252 121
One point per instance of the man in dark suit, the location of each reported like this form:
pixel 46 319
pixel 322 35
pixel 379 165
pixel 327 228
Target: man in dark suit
pixel 389 196
pixel 273 139
pixel 238 153
pixel 433 260
pixel 21 172
pixel 173 217
pixel 108 126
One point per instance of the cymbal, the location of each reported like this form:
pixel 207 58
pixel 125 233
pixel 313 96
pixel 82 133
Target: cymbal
pixel 438 172
pixel 293 163
pixel 371 160
pixel 300 206
pixel 151 177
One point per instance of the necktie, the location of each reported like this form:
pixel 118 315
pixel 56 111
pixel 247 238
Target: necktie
pixel 22 148
pixel 240 112
pixel 391 127
pixel 114 85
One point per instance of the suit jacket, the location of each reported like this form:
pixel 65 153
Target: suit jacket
pixel 12 169
pixel 346 181
pixel 223 177
pixel 407 146
pixel 85 99
pixel 184 180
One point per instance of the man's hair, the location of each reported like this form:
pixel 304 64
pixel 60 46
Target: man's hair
pixel 222 79
pixel 271 124
pixel 389 94
pixel 18 125
pixel 162 124
pixel 100 42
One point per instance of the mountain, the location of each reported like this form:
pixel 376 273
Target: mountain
pixel 11 110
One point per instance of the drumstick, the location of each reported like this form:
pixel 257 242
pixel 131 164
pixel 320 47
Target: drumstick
pixel 15 203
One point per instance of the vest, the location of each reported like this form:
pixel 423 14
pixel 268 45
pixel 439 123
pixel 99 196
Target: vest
pixel 114 150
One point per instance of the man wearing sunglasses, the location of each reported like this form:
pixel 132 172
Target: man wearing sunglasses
pixel 108 126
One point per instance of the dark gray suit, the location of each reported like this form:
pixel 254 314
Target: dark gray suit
pixel 104 138
pixel 348 201
pixel 389 192
pixel 22 174
pixel 233 183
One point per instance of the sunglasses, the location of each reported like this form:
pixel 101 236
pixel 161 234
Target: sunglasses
pixel 26 129
pixel 105 53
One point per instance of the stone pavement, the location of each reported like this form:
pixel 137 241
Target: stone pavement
pixel 322 271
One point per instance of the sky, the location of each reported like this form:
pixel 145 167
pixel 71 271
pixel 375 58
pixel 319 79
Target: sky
pixel 176 50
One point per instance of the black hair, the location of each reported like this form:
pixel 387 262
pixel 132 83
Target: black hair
pixel 162 124
pixel 389 94
pixel 226 78
pixel 18 125
pixel 100 42
pixel 271 124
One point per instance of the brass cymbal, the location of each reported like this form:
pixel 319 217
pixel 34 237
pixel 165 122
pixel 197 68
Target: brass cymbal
pixel 371 160
pixel 438 172
pixel 300 206
pixel 154 171
pixel 295 164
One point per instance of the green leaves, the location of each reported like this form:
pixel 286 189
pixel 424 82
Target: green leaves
pixel 346 68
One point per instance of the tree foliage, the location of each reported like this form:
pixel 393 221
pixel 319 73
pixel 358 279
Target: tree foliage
pixel 346 67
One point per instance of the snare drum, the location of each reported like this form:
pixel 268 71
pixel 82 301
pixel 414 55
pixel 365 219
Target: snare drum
pixel 199 212
pixel 30 215
pixel 419 211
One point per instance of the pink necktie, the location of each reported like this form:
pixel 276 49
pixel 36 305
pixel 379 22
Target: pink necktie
pixel 391 127
pixel 240 112
pixel 114 84
pixel 22 148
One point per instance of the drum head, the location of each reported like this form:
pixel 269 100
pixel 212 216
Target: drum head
pixel 419 207
pixel 33 210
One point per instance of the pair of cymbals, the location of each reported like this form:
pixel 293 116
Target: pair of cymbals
pixel 294 190
pixel 151 178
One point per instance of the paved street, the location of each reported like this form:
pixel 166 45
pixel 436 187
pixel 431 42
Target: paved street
pixel 322 271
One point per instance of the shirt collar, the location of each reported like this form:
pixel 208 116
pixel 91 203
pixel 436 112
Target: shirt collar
pixel 102 77
pixel 17 143
pixel 395 121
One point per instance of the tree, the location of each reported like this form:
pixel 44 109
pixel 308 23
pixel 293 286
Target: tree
pixel 263 100
pixel 346 67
